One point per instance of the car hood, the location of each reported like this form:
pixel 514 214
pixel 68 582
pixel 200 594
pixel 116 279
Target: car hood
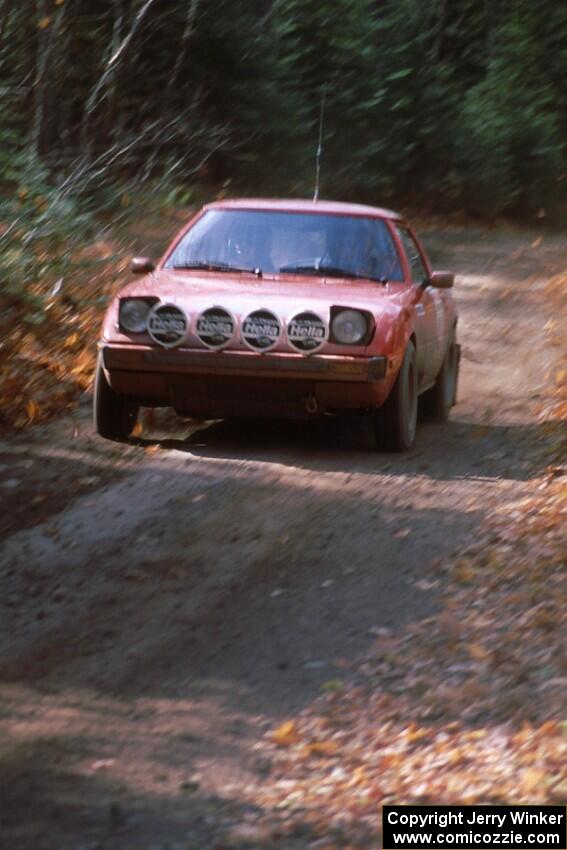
pixel 281 293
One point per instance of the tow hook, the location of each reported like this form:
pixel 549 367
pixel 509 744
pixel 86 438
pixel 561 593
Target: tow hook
pixel 311 404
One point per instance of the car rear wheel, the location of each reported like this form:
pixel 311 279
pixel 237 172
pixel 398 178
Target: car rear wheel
pixel 396 421
pixel 114 414
pixel 437 402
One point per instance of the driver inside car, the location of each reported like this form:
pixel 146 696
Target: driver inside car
pixel 250 250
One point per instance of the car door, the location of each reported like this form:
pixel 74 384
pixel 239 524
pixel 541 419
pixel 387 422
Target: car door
pixel 426 307
pixel 443 326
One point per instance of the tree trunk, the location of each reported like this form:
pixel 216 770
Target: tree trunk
pixel 46 40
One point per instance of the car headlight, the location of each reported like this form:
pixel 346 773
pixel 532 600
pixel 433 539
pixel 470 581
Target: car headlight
pixel 133 314
pixel 349 327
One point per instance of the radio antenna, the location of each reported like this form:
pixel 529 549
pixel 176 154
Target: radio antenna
pixel 320 145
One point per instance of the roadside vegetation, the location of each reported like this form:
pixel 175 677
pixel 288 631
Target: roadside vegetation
pixel 71 264
pixel 118 117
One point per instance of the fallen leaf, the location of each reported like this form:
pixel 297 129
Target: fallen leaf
pixel 286 735
pixel 250 833
pixel 33 410
pixel 390 760
pixel 414 733
pixel 71 341
pixel 478 652
pixel 464 571
pixel 532 778
pixel 102 764
pixel 359 776
pixel 321 748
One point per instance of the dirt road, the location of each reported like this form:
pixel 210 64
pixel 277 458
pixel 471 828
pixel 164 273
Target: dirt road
pixel 163 604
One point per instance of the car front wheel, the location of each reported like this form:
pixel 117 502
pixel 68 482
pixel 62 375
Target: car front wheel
pixel 438 401
pixel 114 414
pixel 396 421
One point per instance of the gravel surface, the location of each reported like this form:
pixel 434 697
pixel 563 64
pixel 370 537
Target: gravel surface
pixel 164 603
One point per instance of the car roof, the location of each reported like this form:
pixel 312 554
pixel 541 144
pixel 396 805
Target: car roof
pixel 302 206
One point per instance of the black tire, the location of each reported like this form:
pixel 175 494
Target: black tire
pixel 396 421
pixel 437 402
pixel 114 414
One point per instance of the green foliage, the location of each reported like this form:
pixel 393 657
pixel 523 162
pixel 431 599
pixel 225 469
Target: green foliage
pixel 484 155
pixel 453 101
pixel 42 236
pixel 511 148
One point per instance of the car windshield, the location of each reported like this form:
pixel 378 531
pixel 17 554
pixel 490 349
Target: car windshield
pixel 288 242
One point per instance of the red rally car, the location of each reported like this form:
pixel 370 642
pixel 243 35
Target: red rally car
pixel 283 308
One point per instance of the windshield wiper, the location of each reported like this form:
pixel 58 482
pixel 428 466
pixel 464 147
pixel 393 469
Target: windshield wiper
pixel 328 271
pixel 212 266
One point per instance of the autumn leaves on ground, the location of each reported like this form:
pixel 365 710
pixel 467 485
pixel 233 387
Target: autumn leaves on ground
pixel 463 705
pixel 466 707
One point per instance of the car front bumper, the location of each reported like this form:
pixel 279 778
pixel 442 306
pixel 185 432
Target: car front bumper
pixel 212 384
pixel 189 361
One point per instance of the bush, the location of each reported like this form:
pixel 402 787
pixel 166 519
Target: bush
pixel 42 227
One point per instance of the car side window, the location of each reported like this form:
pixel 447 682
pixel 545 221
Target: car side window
pixel 417 268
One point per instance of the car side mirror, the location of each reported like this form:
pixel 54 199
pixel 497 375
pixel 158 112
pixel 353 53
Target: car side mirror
pixel 141 265
pixel 441 280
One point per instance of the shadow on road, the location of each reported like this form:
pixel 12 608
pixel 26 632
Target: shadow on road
pixel 48 802
pixel 445 452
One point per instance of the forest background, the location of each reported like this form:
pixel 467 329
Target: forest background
pixel 123 111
